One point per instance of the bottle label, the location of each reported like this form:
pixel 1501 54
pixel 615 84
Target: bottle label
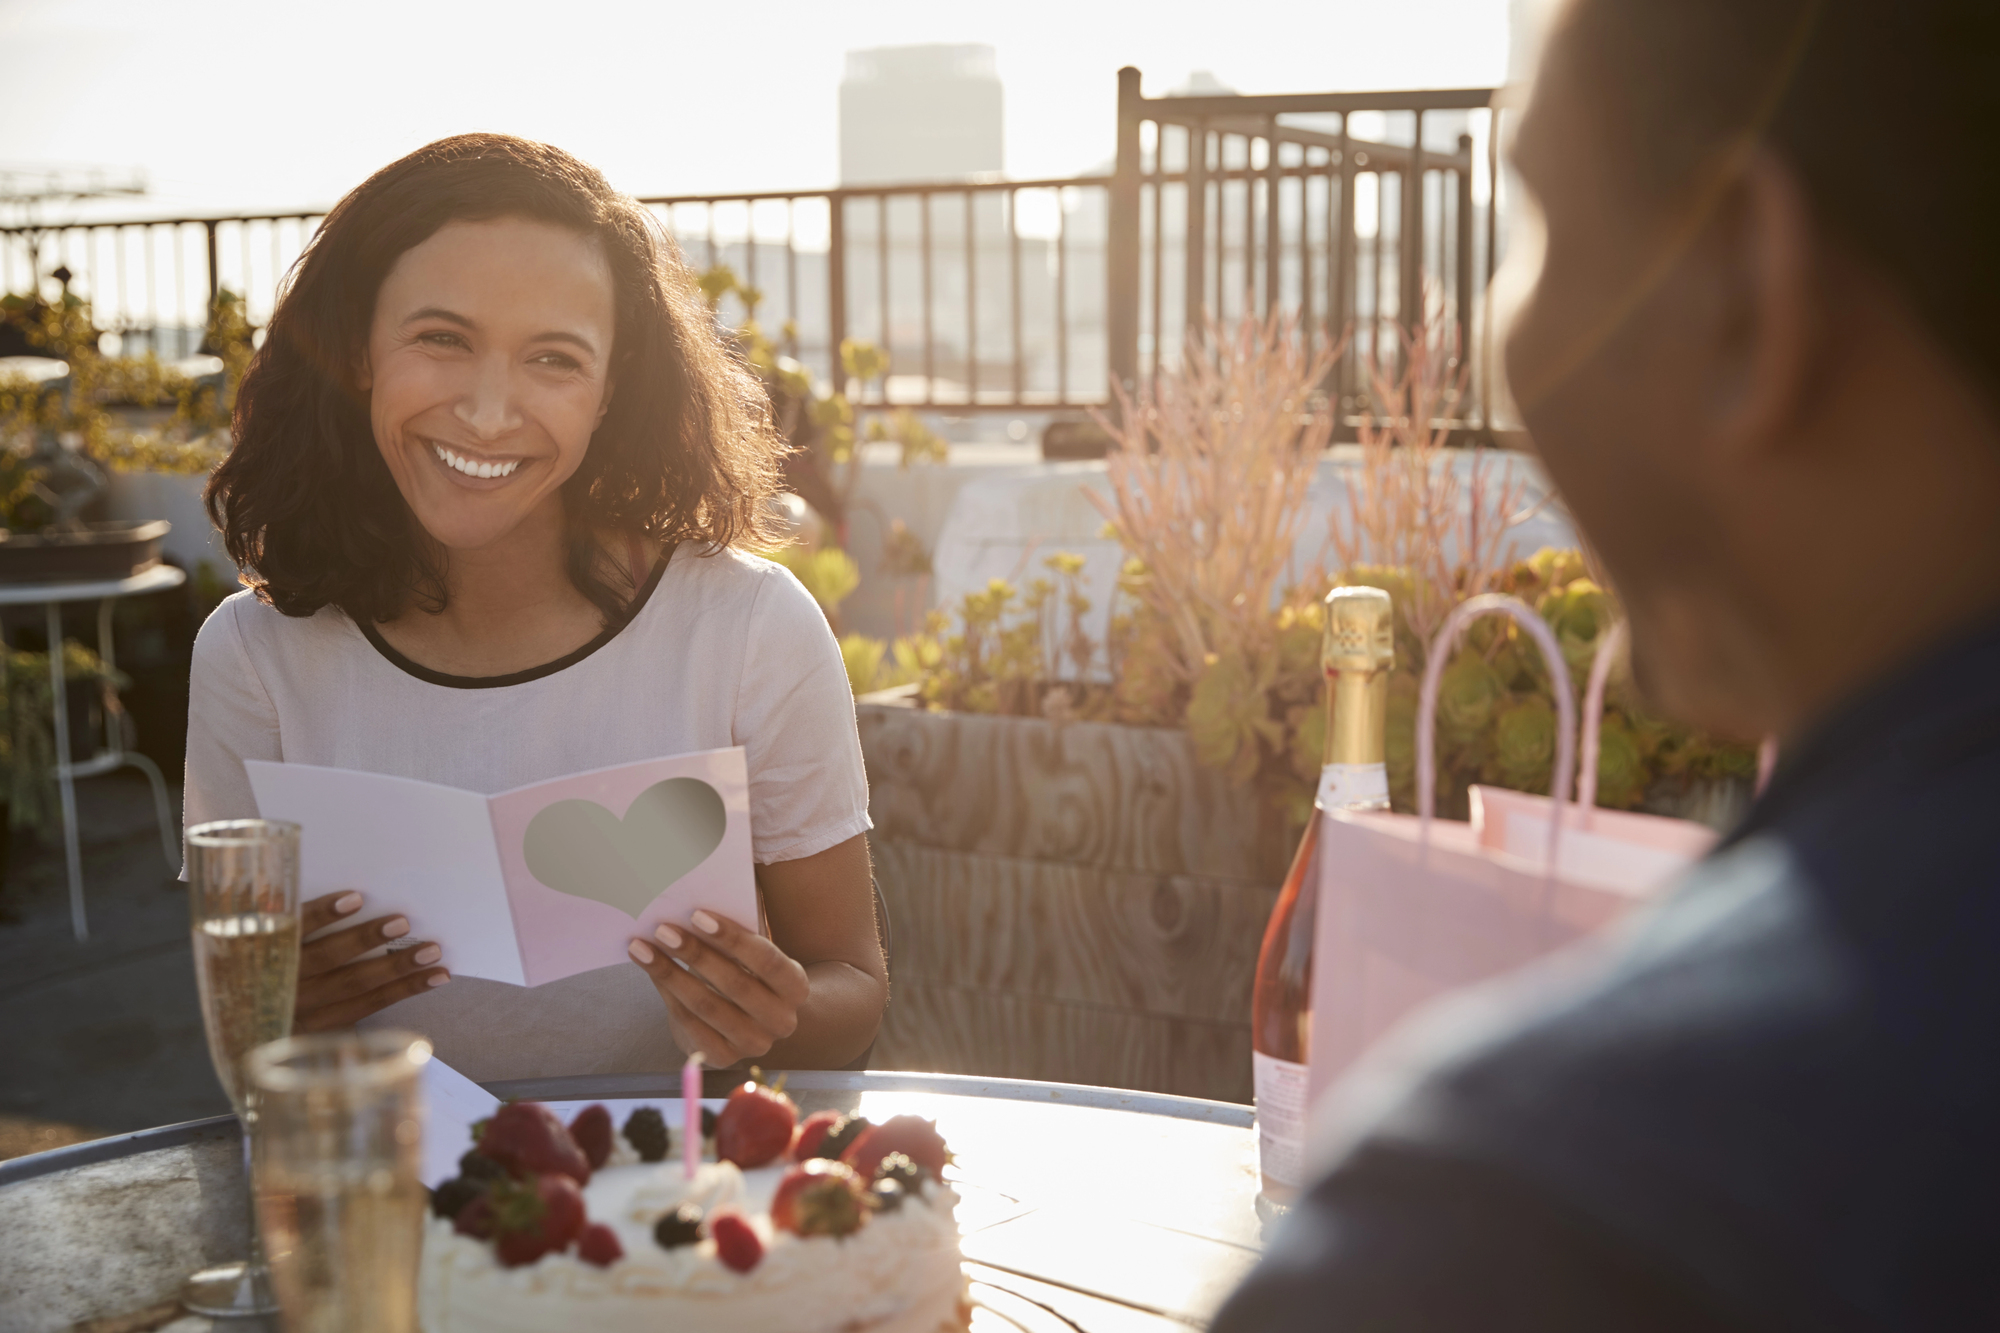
pixel 1281 1117
pixel 1353 786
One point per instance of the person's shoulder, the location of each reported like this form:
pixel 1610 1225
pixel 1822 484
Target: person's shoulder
pixel 751 585
pixel 245 627
pixel 723 566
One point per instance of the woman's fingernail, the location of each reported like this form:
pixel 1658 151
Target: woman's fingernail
pixel 427 955
pixel 395 927
pixel 705 923
pixel 668 935
pixel 347 904
pixel 438 979
pixel 642 953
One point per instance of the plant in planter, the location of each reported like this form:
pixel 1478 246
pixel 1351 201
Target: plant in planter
pixel 1208 493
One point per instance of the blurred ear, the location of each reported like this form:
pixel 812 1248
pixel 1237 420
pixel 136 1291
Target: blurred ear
pixel 604 403
pixel 364 373
pixel 1767 253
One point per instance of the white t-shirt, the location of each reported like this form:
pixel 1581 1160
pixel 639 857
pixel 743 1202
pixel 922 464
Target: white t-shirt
pixel 727 649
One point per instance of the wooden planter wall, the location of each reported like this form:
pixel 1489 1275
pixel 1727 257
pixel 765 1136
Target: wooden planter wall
pixel 1071 901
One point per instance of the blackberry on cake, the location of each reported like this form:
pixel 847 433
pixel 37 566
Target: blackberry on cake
pixel 680 1227
pixel 906 1173
pixel 454 1194
pixel 843 1134
pixel 646 1131
pixel 476 1165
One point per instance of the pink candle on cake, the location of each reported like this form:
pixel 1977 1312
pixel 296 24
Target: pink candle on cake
pixel 691 1112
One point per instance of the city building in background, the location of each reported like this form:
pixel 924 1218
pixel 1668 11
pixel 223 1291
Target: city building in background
pixel 920 113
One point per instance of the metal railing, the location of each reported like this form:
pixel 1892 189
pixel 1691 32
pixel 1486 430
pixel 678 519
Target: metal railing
pixel 1334 221
pixel 995 295
pixel 151 282
pixel 979 293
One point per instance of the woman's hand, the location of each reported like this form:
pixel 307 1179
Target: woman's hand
pixel 335 991
pixel 738 996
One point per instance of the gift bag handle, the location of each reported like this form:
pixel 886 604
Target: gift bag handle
pixel 1593 717
pixel 1473 608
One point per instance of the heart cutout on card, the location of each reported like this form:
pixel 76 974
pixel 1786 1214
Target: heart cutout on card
pixel 580 848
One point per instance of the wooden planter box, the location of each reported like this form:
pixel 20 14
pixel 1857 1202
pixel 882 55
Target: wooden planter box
pixel 1072 901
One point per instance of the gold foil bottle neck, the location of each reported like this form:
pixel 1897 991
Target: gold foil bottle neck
pixel 1360 631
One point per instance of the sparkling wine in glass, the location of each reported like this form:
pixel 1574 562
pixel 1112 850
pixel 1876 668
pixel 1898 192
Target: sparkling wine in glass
pixel 243 909
pixel 339 1138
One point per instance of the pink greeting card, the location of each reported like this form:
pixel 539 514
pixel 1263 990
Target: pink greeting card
pixel 534 884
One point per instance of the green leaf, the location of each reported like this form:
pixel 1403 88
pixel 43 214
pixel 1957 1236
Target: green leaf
pixel 1229 717
pixel 828 573
pixel 863 659
pixel 862 360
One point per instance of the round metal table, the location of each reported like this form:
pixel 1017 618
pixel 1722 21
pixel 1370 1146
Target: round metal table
pixel 1083 1209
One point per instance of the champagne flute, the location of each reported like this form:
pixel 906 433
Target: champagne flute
pixel 339 1140
pixel 243 910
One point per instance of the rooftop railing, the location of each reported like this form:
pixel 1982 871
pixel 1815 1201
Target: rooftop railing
pixel 1349 211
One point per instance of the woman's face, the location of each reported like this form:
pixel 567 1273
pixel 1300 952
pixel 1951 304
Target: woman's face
pixel 487 372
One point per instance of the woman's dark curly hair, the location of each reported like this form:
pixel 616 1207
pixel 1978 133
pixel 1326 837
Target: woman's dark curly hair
pixel 686 452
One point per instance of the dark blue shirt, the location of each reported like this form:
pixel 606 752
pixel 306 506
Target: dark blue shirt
pixel 1772 1102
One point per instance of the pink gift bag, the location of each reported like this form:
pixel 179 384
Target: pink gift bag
pixel 1412 908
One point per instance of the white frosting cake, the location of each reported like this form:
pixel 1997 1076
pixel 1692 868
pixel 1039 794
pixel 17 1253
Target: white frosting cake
pixel 900 1273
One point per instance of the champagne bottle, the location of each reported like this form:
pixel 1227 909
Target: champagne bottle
pixel 1357 652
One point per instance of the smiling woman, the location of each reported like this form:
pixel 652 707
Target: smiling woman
pixel 492 466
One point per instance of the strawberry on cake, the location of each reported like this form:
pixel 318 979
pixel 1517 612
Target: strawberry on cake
pixel 834 1224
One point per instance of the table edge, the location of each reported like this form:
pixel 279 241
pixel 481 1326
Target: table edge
pixel 718 1082
pixel 155 578
pixel 15 1170
pixel 580 1087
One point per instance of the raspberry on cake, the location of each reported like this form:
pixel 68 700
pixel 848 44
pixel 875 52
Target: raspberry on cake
pixel 592 1131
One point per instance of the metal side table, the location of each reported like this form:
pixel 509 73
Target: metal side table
pixel 52 595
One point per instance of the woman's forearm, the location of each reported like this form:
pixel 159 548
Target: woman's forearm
pixel 836 1024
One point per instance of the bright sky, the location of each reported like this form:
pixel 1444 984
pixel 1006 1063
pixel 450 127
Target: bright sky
pixel 268 104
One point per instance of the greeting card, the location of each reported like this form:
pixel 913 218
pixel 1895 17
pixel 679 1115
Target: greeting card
pixel 537 883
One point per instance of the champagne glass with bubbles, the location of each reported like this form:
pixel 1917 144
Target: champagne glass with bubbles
pixel 339 1155
pixel 243 909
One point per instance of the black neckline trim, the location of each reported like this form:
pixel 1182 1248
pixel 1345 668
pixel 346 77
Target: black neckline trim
pixel 611 631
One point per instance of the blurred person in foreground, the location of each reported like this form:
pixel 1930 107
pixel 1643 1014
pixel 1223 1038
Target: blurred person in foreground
pixel 1761 360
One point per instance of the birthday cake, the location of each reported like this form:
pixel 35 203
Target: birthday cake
pixel 832 1224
